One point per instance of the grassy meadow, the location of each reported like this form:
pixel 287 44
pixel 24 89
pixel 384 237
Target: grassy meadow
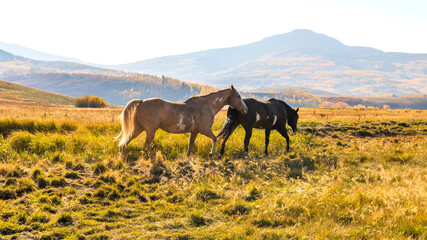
pixel 350 174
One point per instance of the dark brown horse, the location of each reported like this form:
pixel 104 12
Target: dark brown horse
pixel 268 115
pixel 195 115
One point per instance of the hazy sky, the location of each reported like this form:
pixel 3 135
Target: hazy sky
pixel 123 31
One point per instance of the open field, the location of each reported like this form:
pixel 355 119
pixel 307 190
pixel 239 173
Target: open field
pixel 356 174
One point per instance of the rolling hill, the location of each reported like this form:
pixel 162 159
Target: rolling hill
pixel 12 94
pixel 117 90
pixel 300 58
pixel 74 79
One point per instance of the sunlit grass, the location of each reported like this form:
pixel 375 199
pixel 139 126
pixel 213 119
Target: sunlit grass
pixel 343 178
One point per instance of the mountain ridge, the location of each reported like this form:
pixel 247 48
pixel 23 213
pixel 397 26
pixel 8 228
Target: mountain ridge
pixel 302 58
pixel 12 64
pixel 34 54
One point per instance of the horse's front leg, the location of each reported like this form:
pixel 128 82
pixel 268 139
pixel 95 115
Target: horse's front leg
pixel 208 133
pixel 193 136
pixel 284 133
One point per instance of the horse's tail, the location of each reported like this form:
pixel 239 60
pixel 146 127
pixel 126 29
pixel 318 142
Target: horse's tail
pixel 128 120
pixel 230 123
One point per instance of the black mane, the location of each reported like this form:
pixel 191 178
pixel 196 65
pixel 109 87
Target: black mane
pixel 290 111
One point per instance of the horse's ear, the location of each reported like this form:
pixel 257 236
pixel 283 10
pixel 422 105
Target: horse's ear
pixel 232 87
pixel 297 110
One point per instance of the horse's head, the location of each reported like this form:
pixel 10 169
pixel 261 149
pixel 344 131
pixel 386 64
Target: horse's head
pixel 293 120
pixel 236 101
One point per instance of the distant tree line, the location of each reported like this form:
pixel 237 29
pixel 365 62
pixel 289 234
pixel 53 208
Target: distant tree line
pixel 117 90
pixel 293 97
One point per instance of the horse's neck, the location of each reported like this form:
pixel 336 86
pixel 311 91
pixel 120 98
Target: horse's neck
pixel 289 112
pixel 217 100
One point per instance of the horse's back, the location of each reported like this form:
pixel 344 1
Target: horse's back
pixel 160 105
pixel 175 117
pixel 263 114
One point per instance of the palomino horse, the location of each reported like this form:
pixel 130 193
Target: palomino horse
pixel 268 115
pixel 195 115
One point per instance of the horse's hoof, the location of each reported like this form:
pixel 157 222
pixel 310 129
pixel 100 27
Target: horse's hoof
pixel 211 155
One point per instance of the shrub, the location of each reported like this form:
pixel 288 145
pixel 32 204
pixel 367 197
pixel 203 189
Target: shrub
pixel 90 101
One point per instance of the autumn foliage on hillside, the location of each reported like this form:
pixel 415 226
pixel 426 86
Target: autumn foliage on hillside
pixel 90 101
pixel 114 89
pixel 294 97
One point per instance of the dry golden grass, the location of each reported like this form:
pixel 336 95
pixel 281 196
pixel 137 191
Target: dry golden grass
pixel 60 113
pixel 111 114
pixel 344 178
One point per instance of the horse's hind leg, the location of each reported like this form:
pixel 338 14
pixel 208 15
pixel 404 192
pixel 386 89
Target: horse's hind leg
pixel 267 140
pixel 228 134
pixel 148 140
pixel 135 134
pixel 193 136
pixel 248 136
pixel 221 151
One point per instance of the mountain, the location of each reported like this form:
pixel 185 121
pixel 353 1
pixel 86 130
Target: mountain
pixel 11 94
pixel 33 54
pixel 12 65
pixel 301 58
